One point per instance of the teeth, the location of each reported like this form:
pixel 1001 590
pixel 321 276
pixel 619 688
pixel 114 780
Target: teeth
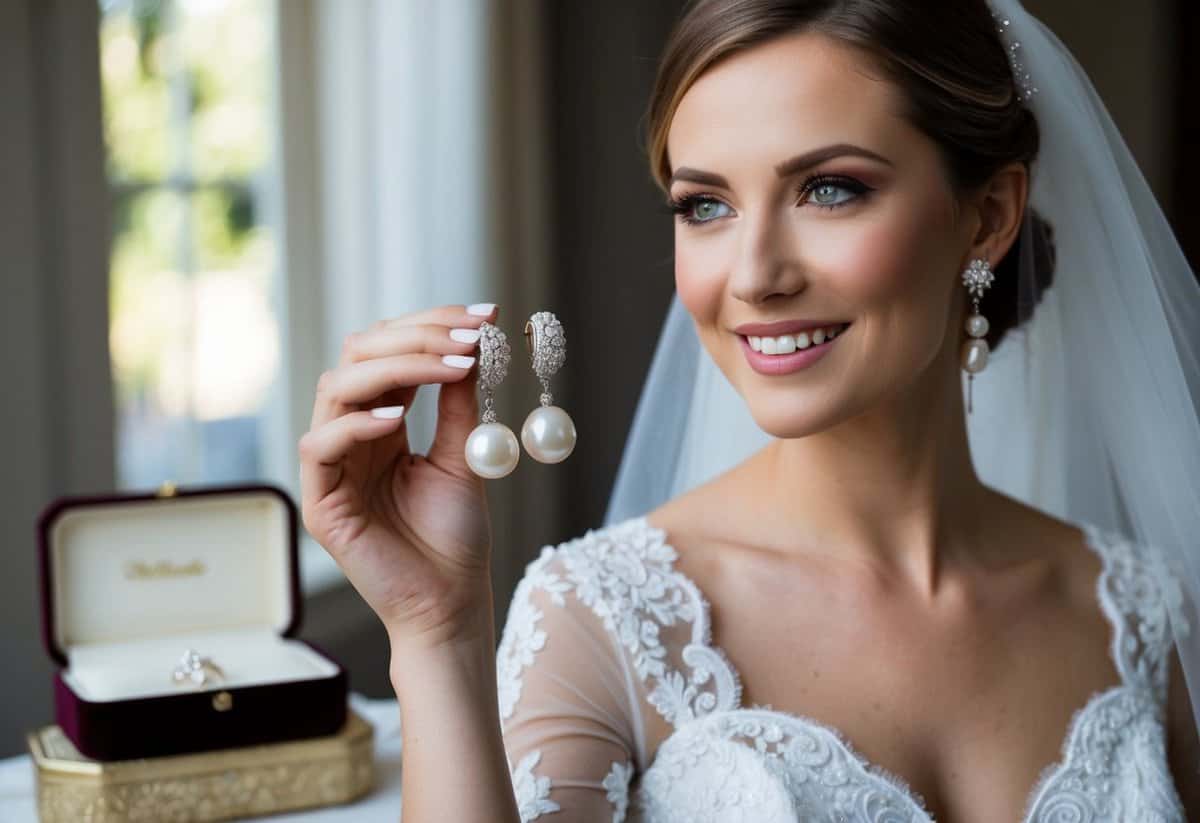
pixel 788 343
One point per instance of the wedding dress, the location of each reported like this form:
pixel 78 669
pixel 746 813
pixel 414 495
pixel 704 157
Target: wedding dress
pixel 606 640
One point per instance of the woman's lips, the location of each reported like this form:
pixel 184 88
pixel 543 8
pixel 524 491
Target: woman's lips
pixel 777 364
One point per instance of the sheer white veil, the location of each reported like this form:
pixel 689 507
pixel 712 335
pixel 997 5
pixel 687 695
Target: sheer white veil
pixel 1088 411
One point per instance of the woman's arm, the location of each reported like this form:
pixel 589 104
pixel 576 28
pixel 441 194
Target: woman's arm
pixel 412 534
pixel 454 763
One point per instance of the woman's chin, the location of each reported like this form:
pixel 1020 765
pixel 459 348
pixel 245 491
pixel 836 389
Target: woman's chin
pixel 789 418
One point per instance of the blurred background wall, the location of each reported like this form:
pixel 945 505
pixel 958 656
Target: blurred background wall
pixel 199 199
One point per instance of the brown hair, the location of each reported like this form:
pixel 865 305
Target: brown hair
pixel 947 58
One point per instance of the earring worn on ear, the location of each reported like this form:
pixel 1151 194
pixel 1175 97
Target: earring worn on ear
pixel 492 451
pixel 977 278
pixel 549 432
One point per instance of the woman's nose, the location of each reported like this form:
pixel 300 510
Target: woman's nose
pixel 767 261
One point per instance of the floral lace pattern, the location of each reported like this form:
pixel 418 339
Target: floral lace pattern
pixel 532 791
pixel 616 788
pixel 726 762
pixel 626 574
pixel 1138 596
pixel 522 638
pixel 1113 765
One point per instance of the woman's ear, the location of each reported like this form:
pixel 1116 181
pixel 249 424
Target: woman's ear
pixel 1000 204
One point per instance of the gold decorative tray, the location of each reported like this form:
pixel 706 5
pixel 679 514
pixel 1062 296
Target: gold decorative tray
pixel 217 785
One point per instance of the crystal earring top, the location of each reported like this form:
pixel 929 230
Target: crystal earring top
pixel 547 345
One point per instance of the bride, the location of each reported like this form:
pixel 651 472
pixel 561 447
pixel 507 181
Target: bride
pixel 808 604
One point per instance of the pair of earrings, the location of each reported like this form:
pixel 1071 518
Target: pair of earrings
pixel 549 433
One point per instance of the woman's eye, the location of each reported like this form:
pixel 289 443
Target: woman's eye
pixel 827 195
pixel 832 193
pixel 700 209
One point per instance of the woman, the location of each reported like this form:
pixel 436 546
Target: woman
pixel 848 624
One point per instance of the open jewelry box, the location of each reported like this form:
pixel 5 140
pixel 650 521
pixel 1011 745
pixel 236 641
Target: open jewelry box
pixel 130 583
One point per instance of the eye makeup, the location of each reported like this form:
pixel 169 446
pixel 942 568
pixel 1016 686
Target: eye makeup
pixel 683 206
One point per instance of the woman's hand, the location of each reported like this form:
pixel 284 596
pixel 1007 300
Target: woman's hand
pixel 410 531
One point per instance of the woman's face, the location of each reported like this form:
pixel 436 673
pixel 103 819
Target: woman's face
pixel 866 236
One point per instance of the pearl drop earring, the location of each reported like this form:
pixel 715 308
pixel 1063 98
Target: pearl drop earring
pixel 549 432
pixel 492 451
pixel 977 278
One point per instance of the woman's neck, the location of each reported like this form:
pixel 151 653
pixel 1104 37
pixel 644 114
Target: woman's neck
pixel 893 487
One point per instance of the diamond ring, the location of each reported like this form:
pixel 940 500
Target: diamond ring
pixel 196 670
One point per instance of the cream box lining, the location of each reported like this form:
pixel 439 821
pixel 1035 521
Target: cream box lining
pixel 141 668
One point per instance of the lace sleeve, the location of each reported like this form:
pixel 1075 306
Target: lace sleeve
pixel 567 702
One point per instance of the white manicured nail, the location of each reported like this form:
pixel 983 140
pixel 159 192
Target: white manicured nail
pixel 458 361
pixel 465 335
pixel 387 412
pixel 481 309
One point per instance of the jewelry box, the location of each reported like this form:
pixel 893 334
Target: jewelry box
pixel 132 584
pixel 220 785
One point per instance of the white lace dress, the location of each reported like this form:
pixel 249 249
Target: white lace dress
pixel 606 642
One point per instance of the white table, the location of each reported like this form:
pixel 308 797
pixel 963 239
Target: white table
pixel 18 799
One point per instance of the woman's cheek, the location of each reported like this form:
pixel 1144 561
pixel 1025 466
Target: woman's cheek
pixel 698 282
pixel 872 264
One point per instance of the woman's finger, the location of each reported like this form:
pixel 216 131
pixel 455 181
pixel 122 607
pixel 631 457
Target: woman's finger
pixel 357 383
pixel 450 316
pixel 323 449
pixel 384 341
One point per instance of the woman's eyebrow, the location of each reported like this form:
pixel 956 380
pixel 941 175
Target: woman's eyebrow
pixel 786 168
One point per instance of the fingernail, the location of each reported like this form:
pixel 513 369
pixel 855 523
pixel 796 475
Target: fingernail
pixel 465 335
pixel 387 412
pixel 481 309
pixel 458 361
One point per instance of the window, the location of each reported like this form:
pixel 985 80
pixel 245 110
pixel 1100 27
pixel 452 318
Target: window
pixel 195 331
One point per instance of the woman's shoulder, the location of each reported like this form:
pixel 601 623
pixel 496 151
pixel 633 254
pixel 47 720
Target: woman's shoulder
pixel 1128 580
pixel 612 569
pixel 634 539
pixel 1139 587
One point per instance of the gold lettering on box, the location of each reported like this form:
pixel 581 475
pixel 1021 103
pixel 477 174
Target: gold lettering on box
pixel 141 570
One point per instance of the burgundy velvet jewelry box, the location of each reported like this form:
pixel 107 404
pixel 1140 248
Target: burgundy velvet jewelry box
pixel 131 582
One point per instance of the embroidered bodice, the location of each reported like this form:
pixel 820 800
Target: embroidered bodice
pixel 605 639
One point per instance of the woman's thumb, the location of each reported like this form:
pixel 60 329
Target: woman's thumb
pixel 458 412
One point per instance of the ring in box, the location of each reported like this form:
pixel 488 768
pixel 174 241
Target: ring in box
pixel 130 583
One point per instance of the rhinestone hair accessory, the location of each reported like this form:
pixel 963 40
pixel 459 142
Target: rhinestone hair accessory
pixel 1025 88
pixel 548 344
pixel 494 356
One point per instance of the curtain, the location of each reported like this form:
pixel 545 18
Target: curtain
pixel 430 178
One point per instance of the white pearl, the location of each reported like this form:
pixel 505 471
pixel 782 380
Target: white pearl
pixel 548 434
pixel 977 325
pixel 974 355
pixel 492 450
